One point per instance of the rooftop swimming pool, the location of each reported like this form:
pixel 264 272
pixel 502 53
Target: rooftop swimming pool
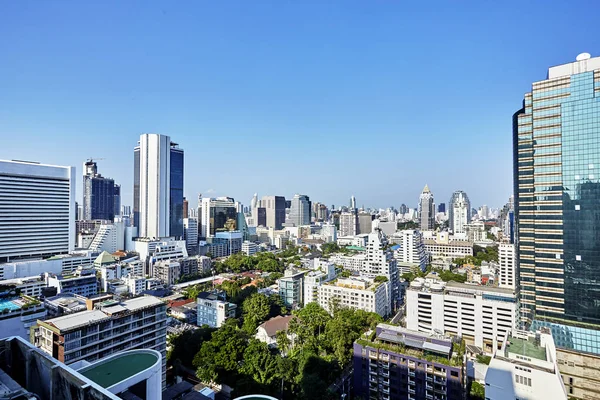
pixel 8 305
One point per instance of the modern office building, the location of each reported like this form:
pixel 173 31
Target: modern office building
pixel 357 293
pixel 442 208
pixel 525 368
pixel 249 248
pixel 365 222
pixel 218 215
pixel 397 363
pixel 37 218
pixel 109 328
pixel 481 315
pixel 98 194
pixel 426 210
pixel 411 252
pixel 213 310
pixel 348 224
pixel 352 203
pixel 291 287
pixel 158 187
pixel 557 197
pixel 190 234
pixel 506 258
pixel 459 212
pixel 300 210
pixel 274 211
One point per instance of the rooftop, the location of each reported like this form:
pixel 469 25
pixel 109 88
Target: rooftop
pixel 526 348
pixel 119 368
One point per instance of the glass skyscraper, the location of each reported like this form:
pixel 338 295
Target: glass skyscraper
pixel 557 204
pixel 98 194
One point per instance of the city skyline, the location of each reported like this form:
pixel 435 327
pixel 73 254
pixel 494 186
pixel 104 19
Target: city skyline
pixel 99 108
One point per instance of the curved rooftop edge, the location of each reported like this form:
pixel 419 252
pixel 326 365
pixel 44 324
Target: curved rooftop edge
pixel 120 371
pixel 255 397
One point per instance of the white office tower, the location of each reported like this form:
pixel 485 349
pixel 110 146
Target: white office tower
pixel 348 224
pixel 352 203
pixel 506 258
pixel 37 210
pixel 300 210
pixel 254 202
pixel 412 250
pixel 158 187
pixel 110 237
pixel 525 368
pixel 190 234
pixel 459 212
pixel 426 210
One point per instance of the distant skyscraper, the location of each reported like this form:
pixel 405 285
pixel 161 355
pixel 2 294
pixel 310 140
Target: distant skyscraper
pixel 274 211
pixel 557 204
pixel 254 201
pixel 442 208
pixel 37 210
pixel 426 210
pixel 117 200
pixel 348 224
pixel 158 187
pixel 459 211
pixel 365 222
pixel 403 209
pixel 98 194
pixel 186 209
pixel 352 203
pixel 300 210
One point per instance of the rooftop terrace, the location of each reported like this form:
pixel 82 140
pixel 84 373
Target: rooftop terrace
pixel 526 348
pixel 117 369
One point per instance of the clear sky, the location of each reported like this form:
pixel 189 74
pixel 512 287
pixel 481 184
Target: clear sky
pixel 327 98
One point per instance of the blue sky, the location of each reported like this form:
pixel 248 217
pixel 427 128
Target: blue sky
pixel 327 98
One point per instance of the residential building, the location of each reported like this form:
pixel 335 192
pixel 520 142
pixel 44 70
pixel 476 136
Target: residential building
pixel 329 232
pixel 443 247
pixel 274 211
pixel 84 283
pixel 557 191
pixel 357 293
pixel 135 284
pixel 348 224
pixel 64 303
pixel 525 368
pixel 109 328
pixel 249 248
pixel 18 316
pixel 314 279
pixel 506 258
pixel 232 240
pixel 110 237
pixel 300 210
pixel 267 331
pixel 204 264
pixel 352 263
pixel 459 212
pixel 218 215
pixel 291 287
pixel 213 310
pixel 98 194
pixel 475 231
pixel 30 286
pixel 580 373
pixel 380 261
pixel 426 210
pixel 168 272
pixel 481 315
pixel 190 234
pixel 37 219
pixel 411 251
pixel 399 363
pixel 356 240
pixel 365 222
pixel 158 187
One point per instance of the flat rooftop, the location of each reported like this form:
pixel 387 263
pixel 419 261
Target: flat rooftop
pixel 526 348
pixel 117 369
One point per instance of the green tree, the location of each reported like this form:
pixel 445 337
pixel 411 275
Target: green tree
pixel 283 342
pixel 477 391
pixel 380 278
pixel 256 309
pixel 259 363
pixel 183 347
pixel 314 316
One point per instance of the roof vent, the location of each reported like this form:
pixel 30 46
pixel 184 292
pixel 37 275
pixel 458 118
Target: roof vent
pixel 583 56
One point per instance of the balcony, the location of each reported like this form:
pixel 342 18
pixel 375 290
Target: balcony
pixel 428 386
pixel 429 396
pixel 411 373
pixel 429 378
pixel 411 391
pixel 411 382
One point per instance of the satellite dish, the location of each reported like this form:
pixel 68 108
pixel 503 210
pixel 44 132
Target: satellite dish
pixel 583 56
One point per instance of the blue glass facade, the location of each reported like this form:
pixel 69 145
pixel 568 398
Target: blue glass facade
pixel 176 193
pixel 98 202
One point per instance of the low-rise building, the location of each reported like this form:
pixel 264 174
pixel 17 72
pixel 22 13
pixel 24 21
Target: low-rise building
pixel 213 310
pixel 83 283
pixel 291 287
pixel 167 271
pixel 359 240
pixel 30 286
pixel 352 263
pixel 249 248
pixel 267 331
pixel 357 293
pixel 397 363
pixel 448 248
pixel 525 368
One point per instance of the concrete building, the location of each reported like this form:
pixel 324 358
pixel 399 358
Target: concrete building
pixel 204 264
pixel 158 187
pixel 357 293
pixel 111 327
pixel 218 215
pixel 348 224
pixel 380 261
pixel 506 258
pixel 411 252
pixel 525 368
pixel 291 287
pixel 402 364
pixel 37 219
pixel 475 231
pixel 249 248
pixel 352 263
pixel 83 283
pixel 300 210
pixel 365 222
pixel 459 212
pixel 314 279
pixel 168 272
pixel 18 316
pixel 481 315
pixel 190 234
pixel 110 237
pixel 426 210
pixel 213 310
pixel 30 286
pixel 356 240
pixel 98 194
pixel 232 240
pixel 443 247
pixel 580 373
pixel 274 211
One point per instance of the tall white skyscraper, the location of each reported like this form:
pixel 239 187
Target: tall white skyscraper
pixel 426 210
pixel 348 224
pixel 300 210
pixel 37 210
pixel 352 203
pixel 158 187
pixel 459 212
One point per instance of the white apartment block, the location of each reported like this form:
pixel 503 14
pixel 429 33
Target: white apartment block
pixel 475 231
pixel 204 264
pixel 355 240
pixel 525 368
pixel 110 237
pixel 412 248
pixel 190 233
pixel 507 260
pixel 481 315
pixel 348 224
pixel 352 263
pixel 357 293
pixel 30 286
pixel 37 218
pixel 312 281
pixel 448 249
pixel 135 284
pixel 139 323
pixel 249 248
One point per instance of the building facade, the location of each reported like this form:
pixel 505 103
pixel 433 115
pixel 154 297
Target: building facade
pixel 218 215
pixel 426 210
pixel 412 248
pixel 190 234
pixel 98 194
pixel 300 210
pixel 557 197
pixel 506 259
pixel 348 224
pixel 459 212
pixel 365 222
pixel 37 218
pixel 291 288
pixel 274 211
pixel 213 310
pixel 356 293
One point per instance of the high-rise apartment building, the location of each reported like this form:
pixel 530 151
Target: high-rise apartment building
pixel 411 251
pixel 506 259
pixel 190 234
pixel 300 210
pixel 158 187
pixel 459 212
pixel 37 216
pixel 426 210
pixel 274 211
pixel 557 204
pixel 348 224
pixel 365 222
pixel 98 194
